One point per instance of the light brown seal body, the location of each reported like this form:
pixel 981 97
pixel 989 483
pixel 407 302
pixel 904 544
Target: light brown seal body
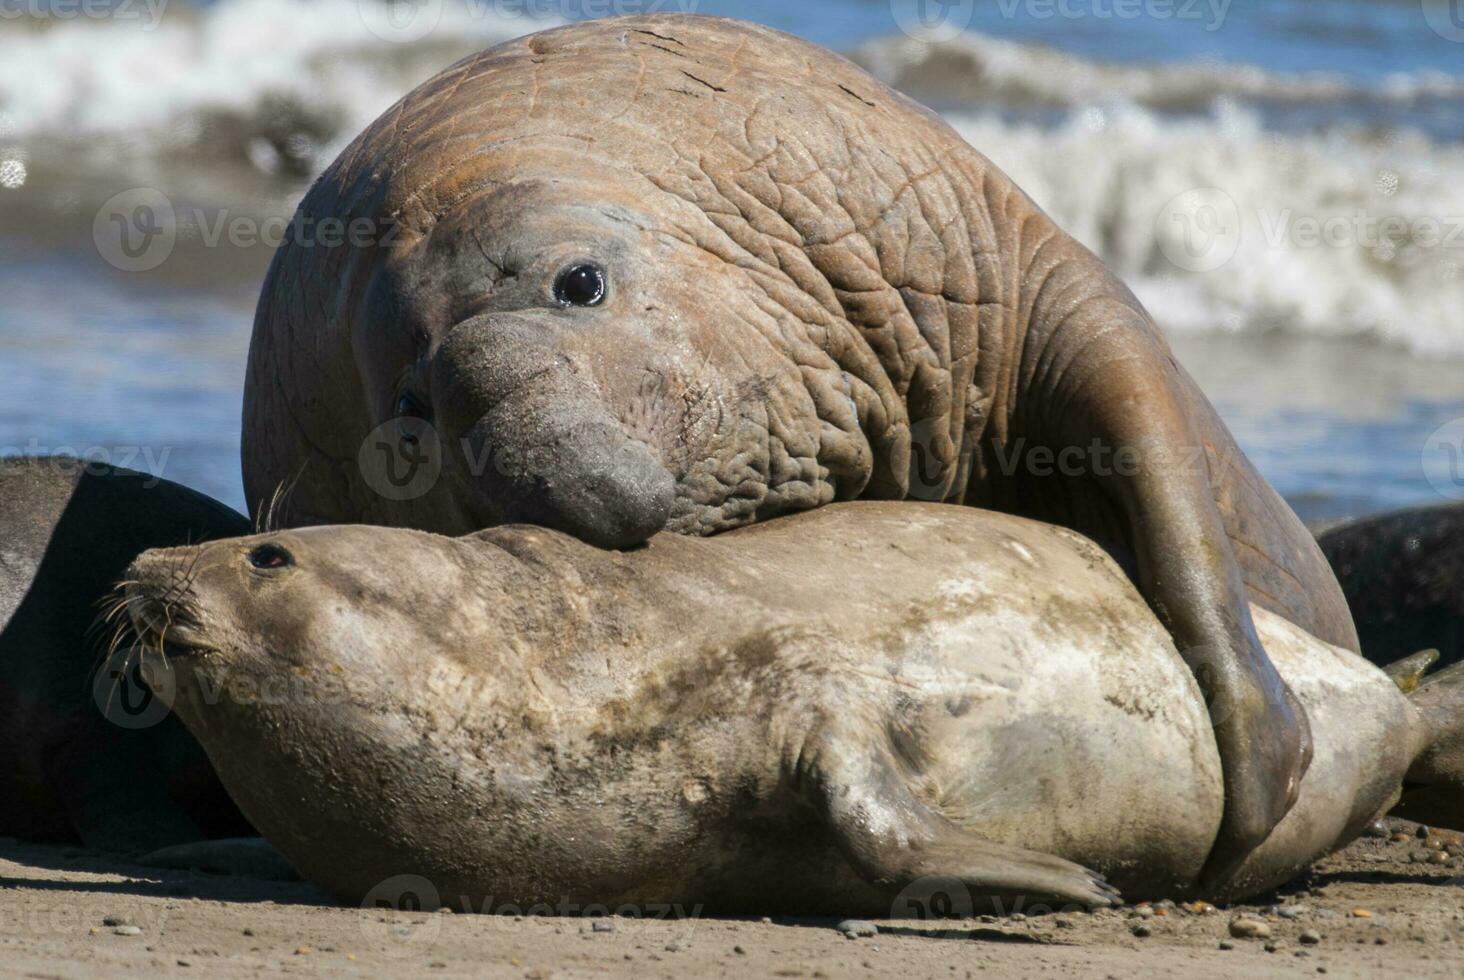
pixel 690 273
pixel 809 716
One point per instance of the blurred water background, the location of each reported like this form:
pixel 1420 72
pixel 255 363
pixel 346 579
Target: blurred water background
pixel 1280 181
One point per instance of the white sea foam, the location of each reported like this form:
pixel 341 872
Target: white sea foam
pixel 285 83
pixel 1332 234
pixel 153 81
pixel 982 69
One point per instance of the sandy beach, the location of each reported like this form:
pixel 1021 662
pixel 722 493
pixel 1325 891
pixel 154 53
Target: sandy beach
pixel 1383 905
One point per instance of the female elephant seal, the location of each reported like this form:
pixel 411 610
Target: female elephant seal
pixel 806 716
pixel 689 273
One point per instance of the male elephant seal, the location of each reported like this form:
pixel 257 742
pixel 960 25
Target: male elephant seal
pixel 689 273
pixel 1403 575
pixel 131 780
pixel 806 716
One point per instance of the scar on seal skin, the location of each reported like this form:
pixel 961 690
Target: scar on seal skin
pixel 626 284
pixel 814 715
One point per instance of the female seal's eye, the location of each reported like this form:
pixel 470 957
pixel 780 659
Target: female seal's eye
pixel 582 284
pixel 269 556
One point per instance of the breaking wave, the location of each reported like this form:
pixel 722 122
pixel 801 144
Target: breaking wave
pixel 1219 224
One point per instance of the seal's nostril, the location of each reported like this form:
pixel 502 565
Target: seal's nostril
pixel 268 557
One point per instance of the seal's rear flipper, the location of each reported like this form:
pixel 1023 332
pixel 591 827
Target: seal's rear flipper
pixel 896 841
pixel 1433 790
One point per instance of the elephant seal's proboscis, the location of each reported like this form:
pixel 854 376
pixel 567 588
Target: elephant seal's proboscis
pixel 806 716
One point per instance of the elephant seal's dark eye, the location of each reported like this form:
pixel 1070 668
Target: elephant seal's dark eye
pixel 409 406
pixel 270 556
pixel 582 284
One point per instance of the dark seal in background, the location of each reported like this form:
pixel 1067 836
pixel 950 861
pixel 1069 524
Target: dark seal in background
pixel 136 781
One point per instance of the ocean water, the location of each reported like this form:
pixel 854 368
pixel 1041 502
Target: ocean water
pixel 1280 181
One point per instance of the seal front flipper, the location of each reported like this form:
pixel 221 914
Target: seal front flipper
pixel 895 841
pixel 1206 532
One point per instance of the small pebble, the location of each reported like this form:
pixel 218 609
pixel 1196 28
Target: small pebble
pixel 1226 944
pixel 672 947
pixel 602 925
pixel 1376 829
pixel 303 950
pixel 1271 947
pixel 739 950
pixel 1249 929
pixel 1310 937
pixel 1399 838
pixel 1422 832
pixel 857 928
pixel 1360 914
pixel 248 931
pixel 127 931
pixel 1292 911
pixel 114 920
pixel 1142 931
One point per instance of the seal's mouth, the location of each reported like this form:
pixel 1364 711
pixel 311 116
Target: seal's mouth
pixel 167 625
